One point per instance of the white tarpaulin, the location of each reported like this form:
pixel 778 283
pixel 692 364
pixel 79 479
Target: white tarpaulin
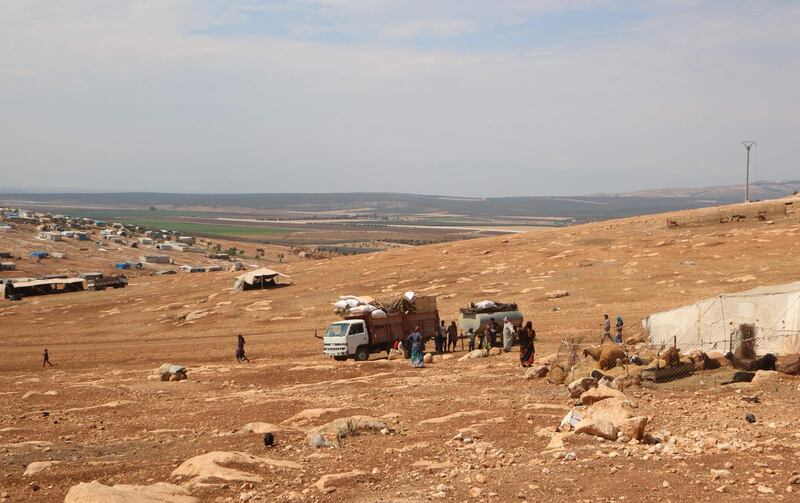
pixel 261 276
pixel 711 324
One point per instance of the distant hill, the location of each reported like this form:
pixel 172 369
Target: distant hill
pixel 580 208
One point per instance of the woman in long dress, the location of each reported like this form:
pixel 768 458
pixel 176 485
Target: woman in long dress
pixel 417 344
pixel 526 348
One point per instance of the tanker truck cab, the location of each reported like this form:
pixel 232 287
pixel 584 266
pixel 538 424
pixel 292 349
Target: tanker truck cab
pixel 347 338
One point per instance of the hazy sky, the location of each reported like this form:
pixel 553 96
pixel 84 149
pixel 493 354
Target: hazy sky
pixel 461 97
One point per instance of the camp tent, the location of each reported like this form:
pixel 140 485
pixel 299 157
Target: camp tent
pixel 259 279
pixel 713 324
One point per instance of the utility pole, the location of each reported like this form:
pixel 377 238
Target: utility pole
pixel 747 144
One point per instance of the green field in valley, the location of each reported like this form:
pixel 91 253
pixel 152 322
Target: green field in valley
pixel 251 231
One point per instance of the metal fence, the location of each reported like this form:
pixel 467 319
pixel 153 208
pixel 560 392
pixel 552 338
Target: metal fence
pixel 733 359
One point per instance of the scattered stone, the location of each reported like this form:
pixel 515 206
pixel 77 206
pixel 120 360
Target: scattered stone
pixel 209 466
pixel 477 353
pixel 557 294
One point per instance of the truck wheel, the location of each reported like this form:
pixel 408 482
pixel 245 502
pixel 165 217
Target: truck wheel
pixel 362 354
pixel 340 358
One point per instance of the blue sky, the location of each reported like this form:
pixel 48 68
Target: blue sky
pixel 511 97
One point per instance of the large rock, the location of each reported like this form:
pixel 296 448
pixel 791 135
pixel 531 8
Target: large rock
pixel 580 386
pixel 557 375
pixel 427 358
pixel 598 428
pixel 95 492
pixel 210 466
pixel 329 434
pixel 260 428
pixel 38 466
pixel 537 372
pixel 633 427
pixel 171 372
pixel 396 354
pixel 767 377
pixel 477 353
pixel 600 393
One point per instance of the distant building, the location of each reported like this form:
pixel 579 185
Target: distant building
pixel 155 259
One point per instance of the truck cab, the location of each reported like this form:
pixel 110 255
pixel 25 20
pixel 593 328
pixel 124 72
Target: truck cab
pixel 347 338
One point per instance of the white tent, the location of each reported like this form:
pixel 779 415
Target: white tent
pixel 259 279
pixel 713 324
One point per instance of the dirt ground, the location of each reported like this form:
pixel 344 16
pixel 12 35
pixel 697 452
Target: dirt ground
pixel 472 430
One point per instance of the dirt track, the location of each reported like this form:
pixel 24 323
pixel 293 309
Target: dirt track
pixel 106 344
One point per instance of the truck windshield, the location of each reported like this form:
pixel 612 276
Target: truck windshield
pixel 337 329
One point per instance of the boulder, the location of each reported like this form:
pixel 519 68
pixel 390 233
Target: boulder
pixel 620 383
pixel 171 372
pixel 557 294
pixel 95 492
pixel 766 376
pixel 600 393
pixel 427 358
pixel 633 427
pixel 537 372
pixel 210 466
pixel 37 466
pixel 478 353
pixel 580 386
pixel 495 351
pixel 329 434
pixel 557 375
pixel 396 354
pixel 598 428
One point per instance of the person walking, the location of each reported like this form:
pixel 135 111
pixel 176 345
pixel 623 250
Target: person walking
pixel 471 339
pixel 46 358
pixel 452 336
pixel 240 356
pixel 606 330
pixel 618 337
pixel 508 335
pixel 416 342
pixel 527 350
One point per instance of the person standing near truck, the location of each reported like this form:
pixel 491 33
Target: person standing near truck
pixel 452 336
pixel 508 335
pixel 416 342
pixel 471 339
pixel 486 340
pixel 441 338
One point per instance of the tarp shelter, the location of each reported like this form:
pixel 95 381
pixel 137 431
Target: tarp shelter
pixel 122 265
pixel 713 324
pixel 260 279
pixel 39 254
pixel 43 287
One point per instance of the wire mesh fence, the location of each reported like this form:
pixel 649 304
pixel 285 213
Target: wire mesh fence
pixel 734 358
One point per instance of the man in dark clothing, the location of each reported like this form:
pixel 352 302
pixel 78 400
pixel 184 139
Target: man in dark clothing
pixel 240 356
pixel 46 358
pixel 452 336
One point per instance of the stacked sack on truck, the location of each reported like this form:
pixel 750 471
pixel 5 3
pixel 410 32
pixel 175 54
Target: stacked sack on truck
pixel 353 305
